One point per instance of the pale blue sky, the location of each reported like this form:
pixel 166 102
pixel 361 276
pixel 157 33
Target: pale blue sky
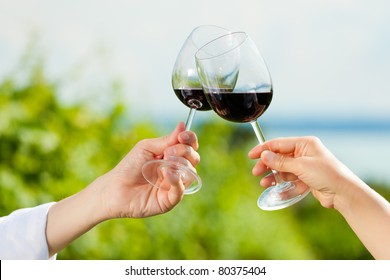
pixel 326 57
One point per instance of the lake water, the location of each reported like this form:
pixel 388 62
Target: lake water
pixel 363 144
pixel 365 150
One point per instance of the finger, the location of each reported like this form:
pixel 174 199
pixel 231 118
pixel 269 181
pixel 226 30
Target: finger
pixel 189 138
pixel 280 162
pixel 283 145
pixel 286 176
pixel 184 151
pixel 175 186
pixel 176 193
pixel 268 181
pixel 256 151
pixel 260 168
pixel 300 187
pixel 158 145
pixel 182 162
pixel 278 145
pixel 301 146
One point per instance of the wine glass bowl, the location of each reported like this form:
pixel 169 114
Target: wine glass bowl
pixel 193 98
pixel 237 94
pixel 238 87
pixel 185 79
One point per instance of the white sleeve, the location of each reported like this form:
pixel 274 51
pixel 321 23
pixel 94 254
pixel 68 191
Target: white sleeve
pixel 23 234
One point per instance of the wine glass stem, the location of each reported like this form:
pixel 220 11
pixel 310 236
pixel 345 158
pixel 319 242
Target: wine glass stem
pixel 260 136
pixel 190 117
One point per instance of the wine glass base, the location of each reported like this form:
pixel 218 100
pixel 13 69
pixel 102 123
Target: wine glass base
pixel 280 196
pixel 155 170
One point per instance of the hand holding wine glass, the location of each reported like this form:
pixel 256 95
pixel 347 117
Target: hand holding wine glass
pixel 238 86
pixel 188 89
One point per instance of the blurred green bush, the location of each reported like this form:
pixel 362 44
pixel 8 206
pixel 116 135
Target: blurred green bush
pixel 49 151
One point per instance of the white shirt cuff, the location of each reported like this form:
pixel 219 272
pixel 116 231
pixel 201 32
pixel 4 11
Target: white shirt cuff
pixel 23 234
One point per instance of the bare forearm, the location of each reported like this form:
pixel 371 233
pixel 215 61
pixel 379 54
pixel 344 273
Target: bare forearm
pixel 73 216
pixel 368 214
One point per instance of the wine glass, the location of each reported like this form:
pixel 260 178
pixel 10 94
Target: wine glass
pixel 238 87
pixel 188 89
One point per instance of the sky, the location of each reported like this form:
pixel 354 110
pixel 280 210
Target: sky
pixel 327 58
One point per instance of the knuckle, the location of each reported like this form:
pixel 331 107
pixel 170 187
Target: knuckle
pixel 314 140
pixel 196 159
pixel 280 162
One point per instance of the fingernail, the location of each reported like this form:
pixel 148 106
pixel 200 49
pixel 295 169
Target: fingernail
pixel 184 136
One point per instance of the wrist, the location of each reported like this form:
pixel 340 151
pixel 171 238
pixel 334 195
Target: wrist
pixel 347 194
pixel 72 217
pixel 97 197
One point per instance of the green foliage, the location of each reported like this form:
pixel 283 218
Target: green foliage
pixel 49 151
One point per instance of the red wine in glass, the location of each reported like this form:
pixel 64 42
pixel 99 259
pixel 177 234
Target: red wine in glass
pixel 193 98
pixel 239 106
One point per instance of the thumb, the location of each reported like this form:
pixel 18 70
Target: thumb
pixel 279 162
pixel 158 145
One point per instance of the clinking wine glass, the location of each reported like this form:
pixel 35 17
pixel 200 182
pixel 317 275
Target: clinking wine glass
pixel 238 87
pixel 188 89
